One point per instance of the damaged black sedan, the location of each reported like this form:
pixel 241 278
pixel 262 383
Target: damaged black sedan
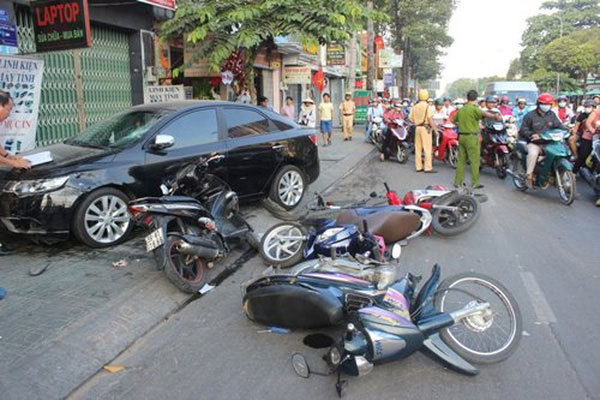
pixel 85 188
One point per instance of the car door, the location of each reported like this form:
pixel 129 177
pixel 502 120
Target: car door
pixel 254 149
pixel 196 133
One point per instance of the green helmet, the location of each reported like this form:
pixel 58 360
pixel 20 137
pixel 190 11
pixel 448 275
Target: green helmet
pixel 439 102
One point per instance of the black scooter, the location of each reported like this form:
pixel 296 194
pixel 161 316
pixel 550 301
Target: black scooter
pixel 189 232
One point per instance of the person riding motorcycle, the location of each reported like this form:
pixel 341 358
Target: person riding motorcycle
pixel 563 112
pixel 458 104
pixel 535 122
pixel 390 115
pixel 490 103
pixel 448 107
pixel 375 111
pixel 520 111
pixel 505 107
pixel 581 133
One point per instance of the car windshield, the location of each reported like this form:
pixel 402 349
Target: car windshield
pixel 119 131
pixel 530 96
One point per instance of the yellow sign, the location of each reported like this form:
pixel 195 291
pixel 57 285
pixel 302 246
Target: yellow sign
pixel 296 75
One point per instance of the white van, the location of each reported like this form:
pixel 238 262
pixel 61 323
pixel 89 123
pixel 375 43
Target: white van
pixel 514 90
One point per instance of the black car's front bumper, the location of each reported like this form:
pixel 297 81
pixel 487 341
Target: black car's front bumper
pixel 39 214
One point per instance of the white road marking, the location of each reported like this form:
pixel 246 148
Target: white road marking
pixel 542 309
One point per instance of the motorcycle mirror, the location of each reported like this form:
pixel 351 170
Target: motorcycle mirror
pixel 300 365
pixel 373 195
pixel 396 251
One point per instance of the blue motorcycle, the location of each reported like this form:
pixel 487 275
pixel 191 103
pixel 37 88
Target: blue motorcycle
pixel 370 231
pixel 468 318
pixel 553 168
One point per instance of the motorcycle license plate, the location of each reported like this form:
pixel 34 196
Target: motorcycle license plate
pixel 154 240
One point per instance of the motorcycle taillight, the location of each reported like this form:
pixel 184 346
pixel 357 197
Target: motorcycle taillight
pixel 137 209
pixel 148 221
pixel 426 205
pixel 393 199
pixel 314 139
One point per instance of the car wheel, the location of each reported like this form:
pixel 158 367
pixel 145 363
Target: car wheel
pixel 102 220
pixel 288 187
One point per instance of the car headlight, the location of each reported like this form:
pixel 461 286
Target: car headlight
pixel 328 234
pixel 35 186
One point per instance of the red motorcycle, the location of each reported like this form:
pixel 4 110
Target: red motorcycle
pixel 446 146
pixel 495 153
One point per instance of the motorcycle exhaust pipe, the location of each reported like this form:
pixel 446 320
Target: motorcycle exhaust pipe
pixel 198 251
pixel 511 173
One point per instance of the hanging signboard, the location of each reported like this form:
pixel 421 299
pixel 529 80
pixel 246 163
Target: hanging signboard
pixel 61 25
pixel 361 100
pixel 336 54
pixel 161 94
pixel 8 29
pixel 168 4
pixel 22 79
pixel 297 75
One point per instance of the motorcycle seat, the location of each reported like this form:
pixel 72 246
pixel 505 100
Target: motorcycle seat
pixel 393 226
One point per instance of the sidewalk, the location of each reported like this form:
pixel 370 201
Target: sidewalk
pixel 59 328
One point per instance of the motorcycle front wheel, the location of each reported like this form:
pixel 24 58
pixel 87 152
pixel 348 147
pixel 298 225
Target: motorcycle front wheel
pixel 501 169
pixel 186 272
pixel 487 337
pixel 565 182
pixel 401 154
pixel 519 174
pixel 283 245
pixel 452 222
pixel 452 156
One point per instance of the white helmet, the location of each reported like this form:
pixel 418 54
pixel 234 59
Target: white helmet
pixel 459 101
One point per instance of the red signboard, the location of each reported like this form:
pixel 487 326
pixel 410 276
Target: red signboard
pixel 61 25
pixel 168 4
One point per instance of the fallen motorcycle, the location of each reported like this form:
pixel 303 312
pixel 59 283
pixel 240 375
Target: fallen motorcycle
pixel 468 318
pixel 553 167
pixel 189 232
pixel 363 230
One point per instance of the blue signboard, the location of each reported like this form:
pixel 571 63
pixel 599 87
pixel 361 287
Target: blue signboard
pixel 8 29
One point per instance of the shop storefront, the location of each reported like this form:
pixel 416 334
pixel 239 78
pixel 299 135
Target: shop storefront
pixel 84 86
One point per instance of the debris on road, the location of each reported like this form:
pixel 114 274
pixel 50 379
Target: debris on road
pixel 275 329
pixel 206 288
pixel 113 369
pixel 37 270
pixel 122 263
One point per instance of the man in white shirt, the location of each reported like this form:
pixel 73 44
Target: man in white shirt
pixel 377 110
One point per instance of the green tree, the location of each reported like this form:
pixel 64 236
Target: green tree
pixel 460 87
pixel 577 54
pixel 546 81
pixel 419 30
pixel 544 28
pixel 515 70
pixel 226 26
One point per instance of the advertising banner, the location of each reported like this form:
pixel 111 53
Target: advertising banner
pixel 22 78
pixel 8 29
pixel 297 75
pixel 160 94
pixel 336 54
pixel 61 25
pixel 168 4
pixel 361 99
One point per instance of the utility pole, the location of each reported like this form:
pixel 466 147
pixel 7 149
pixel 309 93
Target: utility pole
pixel 370 49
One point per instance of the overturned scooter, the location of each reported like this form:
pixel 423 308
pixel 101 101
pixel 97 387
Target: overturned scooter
pixel 468 318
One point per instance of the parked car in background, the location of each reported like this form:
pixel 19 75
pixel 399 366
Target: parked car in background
pixel 514 90
pixel 85 189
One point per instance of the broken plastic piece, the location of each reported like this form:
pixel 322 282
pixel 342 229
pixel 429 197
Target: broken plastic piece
pixel 121 263
pixel 113 369
pixel 275 329
pixel 206 288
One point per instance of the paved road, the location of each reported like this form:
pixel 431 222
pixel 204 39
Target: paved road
pixel 59 328
pixel 544 252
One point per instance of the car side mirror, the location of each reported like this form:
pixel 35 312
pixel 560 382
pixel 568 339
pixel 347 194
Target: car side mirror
pixel 162 142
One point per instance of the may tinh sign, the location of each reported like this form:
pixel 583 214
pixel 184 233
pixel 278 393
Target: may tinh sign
pixel 61 25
